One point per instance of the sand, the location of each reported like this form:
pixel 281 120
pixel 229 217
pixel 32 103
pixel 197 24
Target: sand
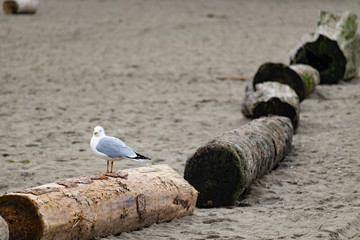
pixel 146 71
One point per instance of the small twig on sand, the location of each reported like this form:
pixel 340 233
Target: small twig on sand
pixel 241 78
pixel 206 100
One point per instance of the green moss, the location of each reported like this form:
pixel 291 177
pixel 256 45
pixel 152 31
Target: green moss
pixel 22 161
pixel 322 48
pixel 309 83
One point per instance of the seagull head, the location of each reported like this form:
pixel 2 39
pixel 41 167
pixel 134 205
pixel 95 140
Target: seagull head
pixel 99 131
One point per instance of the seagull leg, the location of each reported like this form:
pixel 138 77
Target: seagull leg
pixel 112 164
pixel 107 166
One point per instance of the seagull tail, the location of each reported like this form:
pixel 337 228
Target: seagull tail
pixel 140 157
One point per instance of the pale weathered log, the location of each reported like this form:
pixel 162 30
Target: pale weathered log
pixel 223 168
pixel 278 72
pixel 4 230
pixel 309 75
pixel 273 98
pixel 98 205
pixel 249 89
pixel 20 6
pixel 333 49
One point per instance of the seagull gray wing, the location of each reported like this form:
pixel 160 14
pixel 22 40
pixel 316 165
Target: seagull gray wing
pixel 114 148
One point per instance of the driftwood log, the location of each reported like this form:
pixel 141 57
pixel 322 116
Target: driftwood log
pixel 223 168
pixel 300 78
pixel 249 89
pixel 333 49
pixel 309 75
pixel 99 205
pixel 272 98
pixel 4 230
pixel 20 6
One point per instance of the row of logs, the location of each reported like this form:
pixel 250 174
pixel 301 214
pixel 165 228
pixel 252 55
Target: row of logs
pixel 103 204
pixel 222 169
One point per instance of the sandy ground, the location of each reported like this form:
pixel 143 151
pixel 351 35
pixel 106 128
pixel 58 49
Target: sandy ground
pixel 146 71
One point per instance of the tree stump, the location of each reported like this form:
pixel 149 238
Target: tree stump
pixel 278 72
pixel 20 6
pixel 98 205
pixel 333 49
pixel 4 230
pixel 273 98
pixel 223 168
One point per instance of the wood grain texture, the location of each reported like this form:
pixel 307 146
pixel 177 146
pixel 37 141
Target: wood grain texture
pixel 222 169
pixel 98 205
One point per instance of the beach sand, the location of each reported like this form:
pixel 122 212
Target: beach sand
pixel 146 70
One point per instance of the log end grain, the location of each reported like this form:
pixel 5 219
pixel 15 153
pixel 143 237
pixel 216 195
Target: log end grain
pixel 275 106
pixel 325 55
pixel 278 72
pixel 215 171
pixel 21 216
pixel 10 7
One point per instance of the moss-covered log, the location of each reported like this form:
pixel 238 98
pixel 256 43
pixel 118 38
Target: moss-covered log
pixel 309 75
pixel 333 49
pixel 4 230
pixel 278 72
pixel 223 168
pixel 325 55
pixel 98 205
pixel 273 98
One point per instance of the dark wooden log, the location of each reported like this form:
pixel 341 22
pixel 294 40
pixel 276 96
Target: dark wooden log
pixel 325 55
pixel 223 168
pixel 4 230
pixel 333 49
pixel 278 72
pixel 20 6
pixel 98 205
pixel 343 29
pixel 273 98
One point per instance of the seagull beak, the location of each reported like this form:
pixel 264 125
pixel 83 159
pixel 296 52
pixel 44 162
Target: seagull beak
pixel 95 133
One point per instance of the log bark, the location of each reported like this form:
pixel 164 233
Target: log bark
pixel 98 205
pixel 278 72
pixel 309 75
pixel 20 6
pixel 273 98
pixel 4 230
pixel 333 49
pixel 223 168
pixel 249 89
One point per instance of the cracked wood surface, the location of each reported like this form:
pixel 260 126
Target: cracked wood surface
pixel 99 205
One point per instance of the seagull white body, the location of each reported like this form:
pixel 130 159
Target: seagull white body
pixel 111 148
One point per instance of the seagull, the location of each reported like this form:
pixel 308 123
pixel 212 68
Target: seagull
pixel 112 149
